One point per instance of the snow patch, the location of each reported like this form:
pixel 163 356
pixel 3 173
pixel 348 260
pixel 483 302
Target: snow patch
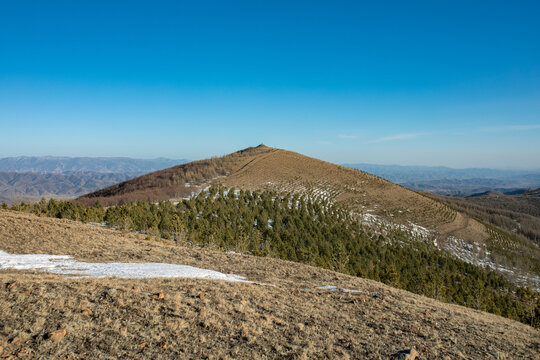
pixel 335 288
pixel 371 219
pixel 477 254
pixel 419 230
pixel 328 287
pixel 376 221
pixel 64 265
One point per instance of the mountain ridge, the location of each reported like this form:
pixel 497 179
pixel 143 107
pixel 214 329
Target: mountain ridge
pixel 29 186
pixel 62 164
pixel 30 178
pixel 456 182
pixel 177 181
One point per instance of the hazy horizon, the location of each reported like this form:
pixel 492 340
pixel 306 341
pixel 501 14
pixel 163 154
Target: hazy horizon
pixel 180 159
pixel 436 84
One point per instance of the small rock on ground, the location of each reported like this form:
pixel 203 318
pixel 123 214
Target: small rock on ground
pixel 409 354
pixel 57 335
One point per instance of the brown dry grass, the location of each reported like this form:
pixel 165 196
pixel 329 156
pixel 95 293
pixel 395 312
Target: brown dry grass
pixel 264 167
pixel 174 182
pixel 464 227
pixel 288 318
pixel 285 171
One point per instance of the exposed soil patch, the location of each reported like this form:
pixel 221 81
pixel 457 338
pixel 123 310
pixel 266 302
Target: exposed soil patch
pixel 465 228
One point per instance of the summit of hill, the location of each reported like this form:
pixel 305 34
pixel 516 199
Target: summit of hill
pixel 267 168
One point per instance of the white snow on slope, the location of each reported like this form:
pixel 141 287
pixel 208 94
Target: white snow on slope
pixel 477 254
pixel 63 264
pixel 335 288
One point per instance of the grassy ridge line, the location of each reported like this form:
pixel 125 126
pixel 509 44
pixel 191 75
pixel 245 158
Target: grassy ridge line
pixel 312 232
pixel 174 182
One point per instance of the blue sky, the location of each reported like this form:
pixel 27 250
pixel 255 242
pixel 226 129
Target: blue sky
pixel 393 82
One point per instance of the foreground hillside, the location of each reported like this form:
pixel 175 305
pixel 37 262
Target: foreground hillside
pixel 316 233
pixel 285 314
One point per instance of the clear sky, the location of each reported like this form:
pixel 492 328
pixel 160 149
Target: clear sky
pixel 453 83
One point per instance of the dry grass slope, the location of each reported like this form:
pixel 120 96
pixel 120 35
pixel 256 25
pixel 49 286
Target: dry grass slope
pixel 176 181
pixel 264 167
pixel 286 318
pixel 286 171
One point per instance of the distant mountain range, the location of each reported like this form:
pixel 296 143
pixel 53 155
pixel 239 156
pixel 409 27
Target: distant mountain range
pixel 59 165
pixel 29 178
pixel 459 182
pixel 15 187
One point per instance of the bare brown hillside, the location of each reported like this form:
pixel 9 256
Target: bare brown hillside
pixel 264 167
pixel 177 181
pixel 287 171
pixel 375 200
pixel 288 316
